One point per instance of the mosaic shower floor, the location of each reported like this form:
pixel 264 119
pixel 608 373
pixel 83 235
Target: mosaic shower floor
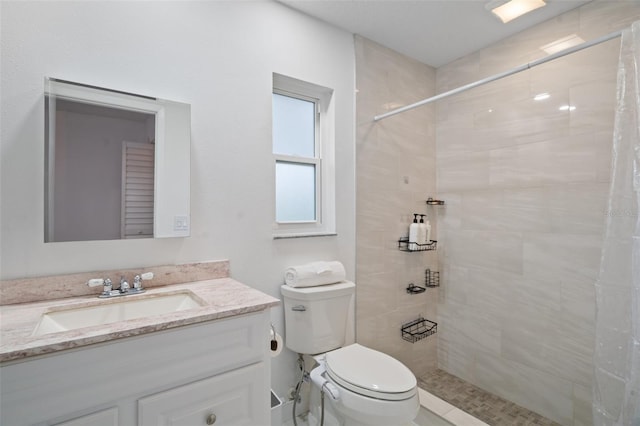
pixel 487 407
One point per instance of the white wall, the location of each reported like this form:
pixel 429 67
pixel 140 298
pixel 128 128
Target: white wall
pixel 217 56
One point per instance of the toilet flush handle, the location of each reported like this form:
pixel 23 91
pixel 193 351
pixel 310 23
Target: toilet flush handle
pixel 299 308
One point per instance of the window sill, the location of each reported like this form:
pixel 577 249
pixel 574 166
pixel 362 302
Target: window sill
pixel 304 235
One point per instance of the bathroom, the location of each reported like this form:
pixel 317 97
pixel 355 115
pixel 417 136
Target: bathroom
pixel 520 234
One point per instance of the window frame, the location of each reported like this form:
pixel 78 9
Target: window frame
pixel 323 160
pixel 316 160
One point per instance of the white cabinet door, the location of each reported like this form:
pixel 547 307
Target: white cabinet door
pixel 107 417
pixel 229 399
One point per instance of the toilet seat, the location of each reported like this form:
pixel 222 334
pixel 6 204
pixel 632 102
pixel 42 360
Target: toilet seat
pixel 370 373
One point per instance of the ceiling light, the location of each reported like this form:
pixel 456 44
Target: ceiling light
pixel 541 96
pixel 567 108
pixel 511 9
pixel 561 44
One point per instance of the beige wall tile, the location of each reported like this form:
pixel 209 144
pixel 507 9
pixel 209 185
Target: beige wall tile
pixel 463 171
pixel 519 238
pixel 582 409
pixel 532 181
pixel 531 388
pixel 602 17
pixel 396 161
pixel 501 251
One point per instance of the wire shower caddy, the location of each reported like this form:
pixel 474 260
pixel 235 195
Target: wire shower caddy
pixel 418 329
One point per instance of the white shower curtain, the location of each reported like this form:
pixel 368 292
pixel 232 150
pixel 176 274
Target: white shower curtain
pixel 616 393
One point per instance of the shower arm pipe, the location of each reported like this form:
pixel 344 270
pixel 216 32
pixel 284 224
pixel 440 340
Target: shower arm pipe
pixel 498 76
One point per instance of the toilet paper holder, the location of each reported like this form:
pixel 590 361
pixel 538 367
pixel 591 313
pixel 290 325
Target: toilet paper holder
pixel 274 341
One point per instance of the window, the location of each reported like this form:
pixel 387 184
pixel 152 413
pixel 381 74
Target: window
pixel 303 147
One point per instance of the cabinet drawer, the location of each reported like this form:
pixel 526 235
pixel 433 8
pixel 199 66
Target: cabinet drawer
pixel 107 417
pixel 235 398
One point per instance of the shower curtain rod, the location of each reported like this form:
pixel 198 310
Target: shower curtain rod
pixel 495 77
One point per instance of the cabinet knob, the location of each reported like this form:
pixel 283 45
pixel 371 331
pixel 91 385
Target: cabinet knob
pixel 211 419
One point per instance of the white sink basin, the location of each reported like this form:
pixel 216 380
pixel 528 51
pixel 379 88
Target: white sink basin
pixel 110 311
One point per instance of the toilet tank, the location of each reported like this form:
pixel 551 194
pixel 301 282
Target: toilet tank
pixel 318 319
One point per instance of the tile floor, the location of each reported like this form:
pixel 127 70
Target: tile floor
pixel 487 407
pixel 433 412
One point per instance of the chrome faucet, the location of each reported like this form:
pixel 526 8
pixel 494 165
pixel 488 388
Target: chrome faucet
pixel 124 285
pixel 107 286
pixel 125 289
pixel 137 281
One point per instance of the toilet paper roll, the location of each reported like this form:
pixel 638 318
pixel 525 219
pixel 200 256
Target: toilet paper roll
pixel 276 343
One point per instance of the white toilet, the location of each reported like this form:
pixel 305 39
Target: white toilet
pixel 362 387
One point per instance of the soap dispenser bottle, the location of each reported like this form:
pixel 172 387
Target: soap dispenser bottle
pixel 422 232
pixel 426 230
pixel 414 230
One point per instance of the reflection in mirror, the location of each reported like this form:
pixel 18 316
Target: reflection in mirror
pixel 113 161
pixel 102 172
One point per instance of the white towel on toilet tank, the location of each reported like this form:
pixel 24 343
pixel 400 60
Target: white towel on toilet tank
pixel 315 273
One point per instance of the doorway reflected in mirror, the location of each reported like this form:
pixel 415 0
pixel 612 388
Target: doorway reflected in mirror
pixel 100 172
pixel 116 164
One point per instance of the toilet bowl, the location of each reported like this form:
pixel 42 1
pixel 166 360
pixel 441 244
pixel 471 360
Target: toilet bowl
pixel 362 387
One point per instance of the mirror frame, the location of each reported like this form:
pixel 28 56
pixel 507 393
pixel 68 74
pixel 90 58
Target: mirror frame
pixel 172 149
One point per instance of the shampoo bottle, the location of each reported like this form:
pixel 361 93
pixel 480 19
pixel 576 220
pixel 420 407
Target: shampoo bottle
pixel 422 233
pixel 426 229
pixel 414 230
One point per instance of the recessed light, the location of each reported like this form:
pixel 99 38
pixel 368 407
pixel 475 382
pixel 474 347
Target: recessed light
pixel 511 9
pixel 541 96
pixel 567 108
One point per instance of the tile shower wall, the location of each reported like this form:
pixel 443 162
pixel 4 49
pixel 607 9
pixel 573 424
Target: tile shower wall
pixel 395 172
pixel 526 183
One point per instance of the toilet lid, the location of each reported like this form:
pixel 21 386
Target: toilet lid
pixel 370 373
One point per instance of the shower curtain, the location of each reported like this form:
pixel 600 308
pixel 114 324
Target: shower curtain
pixel 616 392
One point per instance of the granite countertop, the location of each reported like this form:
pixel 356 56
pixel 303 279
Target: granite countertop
pixel 220 298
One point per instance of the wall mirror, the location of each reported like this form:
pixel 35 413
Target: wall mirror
pixel 117 165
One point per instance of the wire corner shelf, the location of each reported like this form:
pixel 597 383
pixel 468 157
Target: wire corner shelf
pixel 418 329
pixel 405 245
pixel 432 202
pixel 415 289
pixel 431 278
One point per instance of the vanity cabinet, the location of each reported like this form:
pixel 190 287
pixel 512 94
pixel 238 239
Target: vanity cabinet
pixel 180 376
pixel 225 399
pixel 107 417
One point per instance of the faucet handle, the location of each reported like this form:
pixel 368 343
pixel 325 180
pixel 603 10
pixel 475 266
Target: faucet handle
pixel 105 283
pixel 95 282
pixel 137 280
